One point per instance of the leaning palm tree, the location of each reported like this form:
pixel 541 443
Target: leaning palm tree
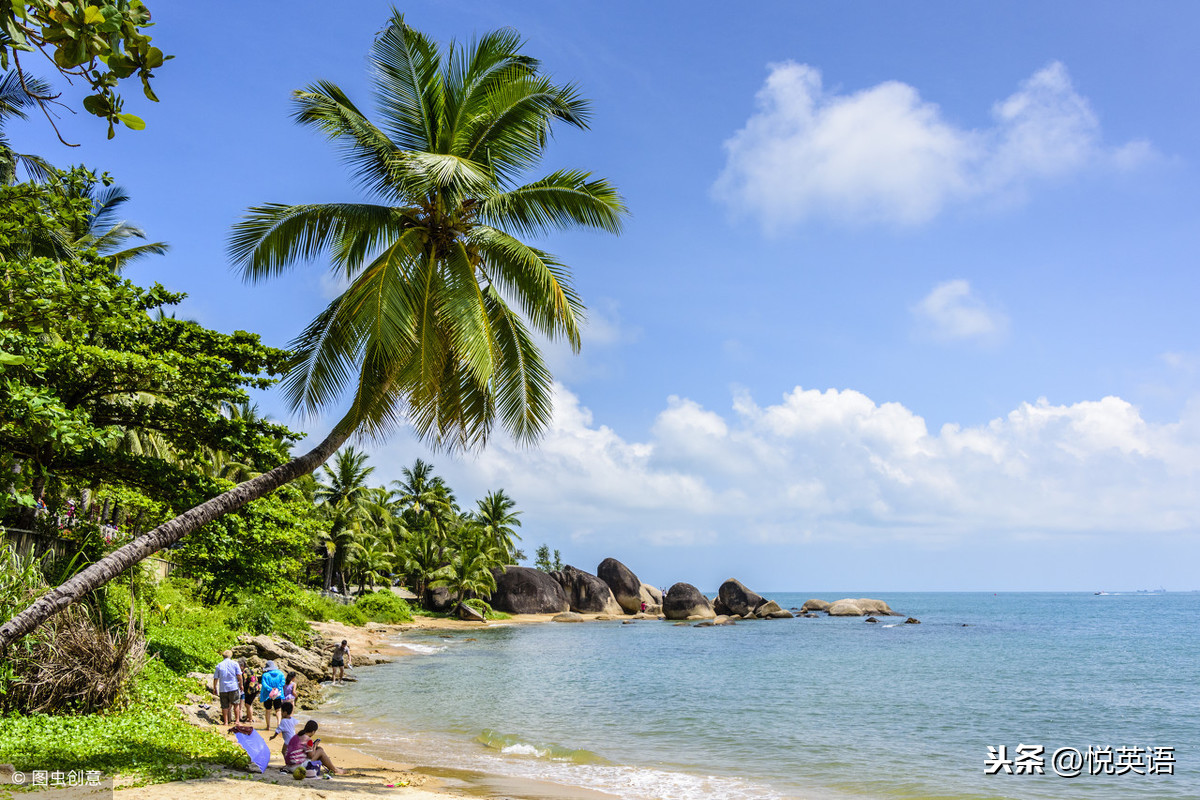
pixel 433 330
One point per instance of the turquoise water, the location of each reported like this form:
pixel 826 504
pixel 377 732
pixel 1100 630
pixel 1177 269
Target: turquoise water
pixel 805 708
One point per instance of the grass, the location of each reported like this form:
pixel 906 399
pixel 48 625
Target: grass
pixel 149 741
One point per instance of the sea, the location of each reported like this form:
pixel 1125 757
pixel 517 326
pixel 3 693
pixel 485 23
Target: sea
pixel 1008 695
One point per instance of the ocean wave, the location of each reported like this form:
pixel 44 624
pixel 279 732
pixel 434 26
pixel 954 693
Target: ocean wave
pixel 511 744
pixel 424 649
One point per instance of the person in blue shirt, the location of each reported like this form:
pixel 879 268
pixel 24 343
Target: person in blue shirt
pixel 271 692
pixel 227 685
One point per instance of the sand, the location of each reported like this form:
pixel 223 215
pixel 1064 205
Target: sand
pixel 368 777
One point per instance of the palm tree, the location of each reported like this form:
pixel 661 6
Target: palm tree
pixel 13 102
pixel 497 519
pixel 344 495
pixel 109 235
pixel 427 332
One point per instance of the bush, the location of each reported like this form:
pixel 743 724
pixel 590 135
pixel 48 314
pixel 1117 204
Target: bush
pixel 384 607
pixel 261 615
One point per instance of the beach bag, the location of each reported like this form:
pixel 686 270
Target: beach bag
pixel 274 694
pixel 312 769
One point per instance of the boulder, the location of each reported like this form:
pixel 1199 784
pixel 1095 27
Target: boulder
pixel 767 609
pixel 871 620
pixel 684 600
pixel 815 605
pixel 624 585
pixel 845 608
pixel 782 613
pixel 879 607
pixel 738 599
pixel 912 621
pixel 523 590
pixel 651 595
pixel 720 607
pixel 290 656
pixel 586 593
pixel 468 613
pixel 567 616
pixel 440 599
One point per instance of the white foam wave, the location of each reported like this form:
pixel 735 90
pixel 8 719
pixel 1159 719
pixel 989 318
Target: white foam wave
pixel 424 649
pixel 522 750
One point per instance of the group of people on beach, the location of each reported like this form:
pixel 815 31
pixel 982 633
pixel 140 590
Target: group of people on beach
pixel 236 686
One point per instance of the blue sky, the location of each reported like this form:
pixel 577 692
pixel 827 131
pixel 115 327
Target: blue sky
pixel 905 301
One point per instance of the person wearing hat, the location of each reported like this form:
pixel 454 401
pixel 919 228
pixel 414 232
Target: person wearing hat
pixel 227 685
pixel 271 690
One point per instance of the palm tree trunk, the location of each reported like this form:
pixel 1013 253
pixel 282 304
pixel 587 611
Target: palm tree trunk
pixel 167 534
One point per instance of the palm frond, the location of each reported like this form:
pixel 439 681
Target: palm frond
pixel 562 200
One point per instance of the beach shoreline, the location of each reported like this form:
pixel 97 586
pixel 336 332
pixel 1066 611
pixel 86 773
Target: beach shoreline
pixel 368 775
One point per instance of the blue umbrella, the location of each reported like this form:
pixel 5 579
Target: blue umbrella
pixel 256 747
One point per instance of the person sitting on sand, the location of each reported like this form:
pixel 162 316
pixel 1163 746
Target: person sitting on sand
pixel 303 748
pixel 286 727
pixel 271 691
pixel 227 685
pixel 341 656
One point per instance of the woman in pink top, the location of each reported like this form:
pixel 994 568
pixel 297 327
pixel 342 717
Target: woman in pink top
pixel 304 748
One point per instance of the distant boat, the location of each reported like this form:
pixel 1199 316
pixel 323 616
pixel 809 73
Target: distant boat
pixel 1099 593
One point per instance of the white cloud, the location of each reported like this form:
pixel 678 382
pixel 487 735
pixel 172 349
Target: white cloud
pixel 835 464
pixel 952 312
pixel 885 154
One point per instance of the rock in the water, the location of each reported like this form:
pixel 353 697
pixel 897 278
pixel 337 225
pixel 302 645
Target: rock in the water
pixel 912 621
pixel 625 586
pixel 738 599
pixel 586 593
pixel 815 605
pixel 567 616
pixel 684 600
pixel 768 609
pixel 782 613
pixel 871 619
pixel 879 607
pixel 523 590
pixel 809 615
pixel 470 613
pixel 720 608
pixel 845 608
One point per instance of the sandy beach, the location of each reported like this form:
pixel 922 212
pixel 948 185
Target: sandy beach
pixel 367 777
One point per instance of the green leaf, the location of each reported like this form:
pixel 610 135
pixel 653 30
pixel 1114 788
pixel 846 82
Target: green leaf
pixel 92 16
pixel 97 104
pixel 154 58
pixel 132 121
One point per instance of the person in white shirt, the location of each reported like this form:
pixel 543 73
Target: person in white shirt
pixel 287 725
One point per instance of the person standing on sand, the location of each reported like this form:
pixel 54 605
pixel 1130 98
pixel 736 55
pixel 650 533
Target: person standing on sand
pixel 227 685
pixel 249 693
pixel 271 691
pixel 304 748
pixel 341 656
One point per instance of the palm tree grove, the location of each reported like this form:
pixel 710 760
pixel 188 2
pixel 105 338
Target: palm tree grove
pixel 152 511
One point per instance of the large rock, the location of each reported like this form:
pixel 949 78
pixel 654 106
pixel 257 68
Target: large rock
pixel 651 595
pixel 815 605
pixel 523 590
pixel 738 599
pixel 586 593
pixel 440 598
pixel 684 600
pixel 845 608
pixel 469 613
pixel 290 656
pixel 870 606
pixel 625 586
pixel 772 610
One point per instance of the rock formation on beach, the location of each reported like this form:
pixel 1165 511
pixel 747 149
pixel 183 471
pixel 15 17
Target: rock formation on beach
pixel 625 586
pixel 586 593
pixel 684 601
pixel 524 590
pixel 861 607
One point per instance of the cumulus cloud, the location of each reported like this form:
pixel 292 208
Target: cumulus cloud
pixel 952 312
pixel 825 465
pixel 884 154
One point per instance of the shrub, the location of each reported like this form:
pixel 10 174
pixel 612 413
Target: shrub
pixel 384 607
